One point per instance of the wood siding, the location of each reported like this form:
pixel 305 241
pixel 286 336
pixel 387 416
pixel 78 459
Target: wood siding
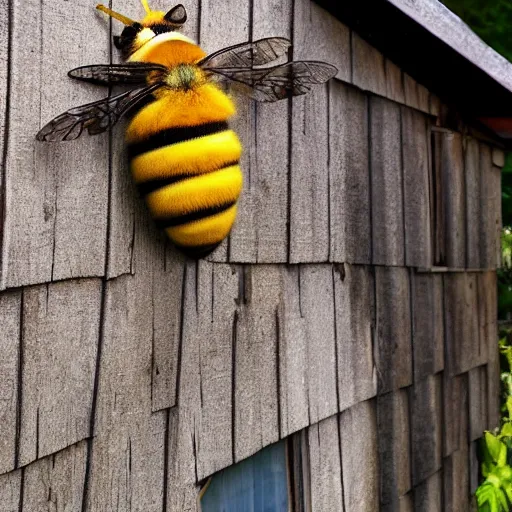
pixel 129 375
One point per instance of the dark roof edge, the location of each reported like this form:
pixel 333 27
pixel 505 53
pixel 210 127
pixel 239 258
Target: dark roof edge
pixel 436 48
pixel 447 26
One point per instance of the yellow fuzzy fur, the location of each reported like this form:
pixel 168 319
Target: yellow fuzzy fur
pixel 205 231
pixel 195 156
pixel 205 104
pixel 204 191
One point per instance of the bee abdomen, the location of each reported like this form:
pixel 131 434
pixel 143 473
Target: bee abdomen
pixel 174 136
pixel 191 180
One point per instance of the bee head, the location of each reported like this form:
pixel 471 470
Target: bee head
pixel 136 34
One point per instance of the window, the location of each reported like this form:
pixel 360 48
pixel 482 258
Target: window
pixel 273 480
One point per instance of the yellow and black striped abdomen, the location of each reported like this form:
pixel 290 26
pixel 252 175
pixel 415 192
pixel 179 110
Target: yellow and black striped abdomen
pixel 191 180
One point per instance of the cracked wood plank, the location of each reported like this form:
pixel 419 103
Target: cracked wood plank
pixel 325 466
pixel 393 350
pixel 205 395
pixel 167 311
pixel 349 179
pixel 416 183
pixel 455 404
pixel 477 395
pixel 181 485
pixel 11 491
pixel 316 296
pixel 56 195
pixel 59 346
pixel 293 357
pixel 56 482
pixel 360 457
pixel 386 183
pixel 354 298
pixel 428 326
pixel 393 426
pixel 426 428
pixel 464 349
pixel 10 320
pixel 256 414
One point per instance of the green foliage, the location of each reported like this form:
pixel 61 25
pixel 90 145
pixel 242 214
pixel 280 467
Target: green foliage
pixel 495 493
pixel 490 19
pixel 505 272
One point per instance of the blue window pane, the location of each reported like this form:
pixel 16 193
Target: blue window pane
pixel 257 484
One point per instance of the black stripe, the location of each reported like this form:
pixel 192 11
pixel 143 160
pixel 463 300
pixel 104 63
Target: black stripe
pixel 198 251
pixel 173 136
pixel 179 220
pixel 146 187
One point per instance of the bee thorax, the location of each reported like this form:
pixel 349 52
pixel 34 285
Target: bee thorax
pixel 184 77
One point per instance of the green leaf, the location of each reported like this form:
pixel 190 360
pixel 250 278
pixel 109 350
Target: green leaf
pixel 502 458
pixel 493 446
pixel 509 406
pixel 506 430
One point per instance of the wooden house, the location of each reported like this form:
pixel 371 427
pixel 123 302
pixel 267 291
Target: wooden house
pixel 337 353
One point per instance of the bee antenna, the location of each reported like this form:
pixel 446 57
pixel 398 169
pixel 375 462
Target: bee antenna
pixel 146 6
pixel 115 15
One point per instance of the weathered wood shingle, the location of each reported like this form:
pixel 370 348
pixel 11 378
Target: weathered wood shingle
pixel 349 180
pixel 427 324
pixel 56 199
pixel 360 461
pixel 10 490
pixel 256 359
pixel 57 481
pixel 428 495
pixel 325 466
pixel 61 324
pixel 386 183
pixel 426 428
pixel 10 320
pixel 393 349
pixel 393 427
pixel 416 188
pixel 354 289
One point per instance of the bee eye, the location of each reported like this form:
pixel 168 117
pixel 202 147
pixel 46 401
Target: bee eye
pixel 131 31
pixel 127 36
pixel 177 15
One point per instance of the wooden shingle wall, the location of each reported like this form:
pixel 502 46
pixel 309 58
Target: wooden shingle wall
pixel 129 374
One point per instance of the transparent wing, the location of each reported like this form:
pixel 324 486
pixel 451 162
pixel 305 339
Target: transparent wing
pixel 279 82
pixel 135 73
pixel 246 55
pixel 95 117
